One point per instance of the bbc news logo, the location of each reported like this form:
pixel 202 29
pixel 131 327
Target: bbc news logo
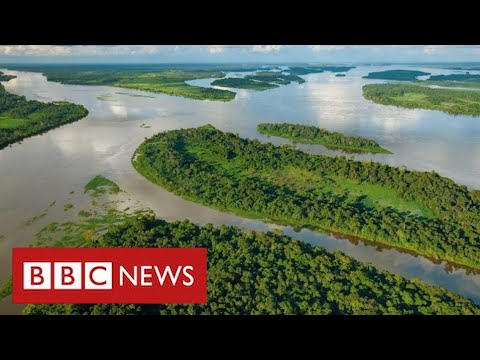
pixel 109 276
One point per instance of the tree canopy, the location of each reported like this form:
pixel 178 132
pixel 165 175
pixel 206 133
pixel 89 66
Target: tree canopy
pixel 267 273
pixel 21 118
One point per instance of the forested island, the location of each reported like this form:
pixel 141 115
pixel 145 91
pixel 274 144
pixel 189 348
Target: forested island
pixel 263 80
pixel 243 83
pixel 21 118
pixel 306 70
pixel 455 80
pixel 417 211
pixel 398 75
pixel 259 273
pixel 314 135
pixel 340 75
pixel 458 102
pixel 149 78
pixel 5 77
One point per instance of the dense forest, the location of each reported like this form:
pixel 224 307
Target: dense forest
pixel 275 77
pixel 459 102
pixel 314 135
pixel 268 273
pixel 399 75
pixel 305 70
pixel 455 80
pixel 20 118
pixel 243 83
pixel 455 77
pixel 165 80
pixel 262 80
pixel 5 77
pixel 418 211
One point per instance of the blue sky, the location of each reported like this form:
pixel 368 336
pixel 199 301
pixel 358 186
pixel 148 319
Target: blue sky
pixel 240 53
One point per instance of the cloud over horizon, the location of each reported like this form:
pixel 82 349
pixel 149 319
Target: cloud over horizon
pixel 239 53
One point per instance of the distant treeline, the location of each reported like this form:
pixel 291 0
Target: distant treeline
pixel 458 102
pixel 399 75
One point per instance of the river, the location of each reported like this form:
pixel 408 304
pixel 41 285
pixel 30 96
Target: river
pixel 48 167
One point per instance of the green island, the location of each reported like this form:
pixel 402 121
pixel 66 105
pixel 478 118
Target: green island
pixel 454 80
pixel 398 75
pixel 5 77
pixel 340 75
pixel 421 212
pixel 21 118
pixel 275 77
pixel 243 83
pixel 457 102
pixel 263 80
pixel 259 273
pixel 155 79
pixel 314 135
pixel 306 70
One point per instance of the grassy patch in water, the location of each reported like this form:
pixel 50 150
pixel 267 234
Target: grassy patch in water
pixel 100 185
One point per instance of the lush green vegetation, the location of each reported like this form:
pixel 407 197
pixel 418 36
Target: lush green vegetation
pixel 20 118
pixel 455 77
pixel 167 81
pixel 5 77
pixel 257 273
pixel 263 80
pixel 399 75
pixel 464 102
pixel 275 77
pixel 305 70
pixel 455 80
pixel 418 211
pixel 100 185
pixel 243 83
pixel 6 288
pixel 314 135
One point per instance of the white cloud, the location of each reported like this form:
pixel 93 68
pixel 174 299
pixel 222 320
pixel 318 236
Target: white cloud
pixel 432 49
pixel 216 49
pixel 266 48
pixel 81 50
pixel 317 48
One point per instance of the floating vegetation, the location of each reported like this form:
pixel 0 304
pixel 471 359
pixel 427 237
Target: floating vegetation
pixel 100 185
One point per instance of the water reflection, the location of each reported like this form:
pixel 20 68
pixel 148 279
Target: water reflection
pixel 47 167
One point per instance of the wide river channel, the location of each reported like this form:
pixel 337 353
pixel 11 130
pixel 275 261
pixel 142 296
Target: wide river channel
pixel 48 167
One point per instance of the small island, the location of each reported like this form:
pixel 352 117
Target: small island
pixel 243 83
pixel 21 118
pixel 421 212
pixel 314 135
pixel 5 77
pixel 263 80
pixel 306 70
pixel 398 75
pixel 457 102
pixel 340 75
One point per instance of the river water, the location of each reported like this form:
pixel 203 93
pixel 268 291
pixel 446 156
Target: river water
pixel 48 167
